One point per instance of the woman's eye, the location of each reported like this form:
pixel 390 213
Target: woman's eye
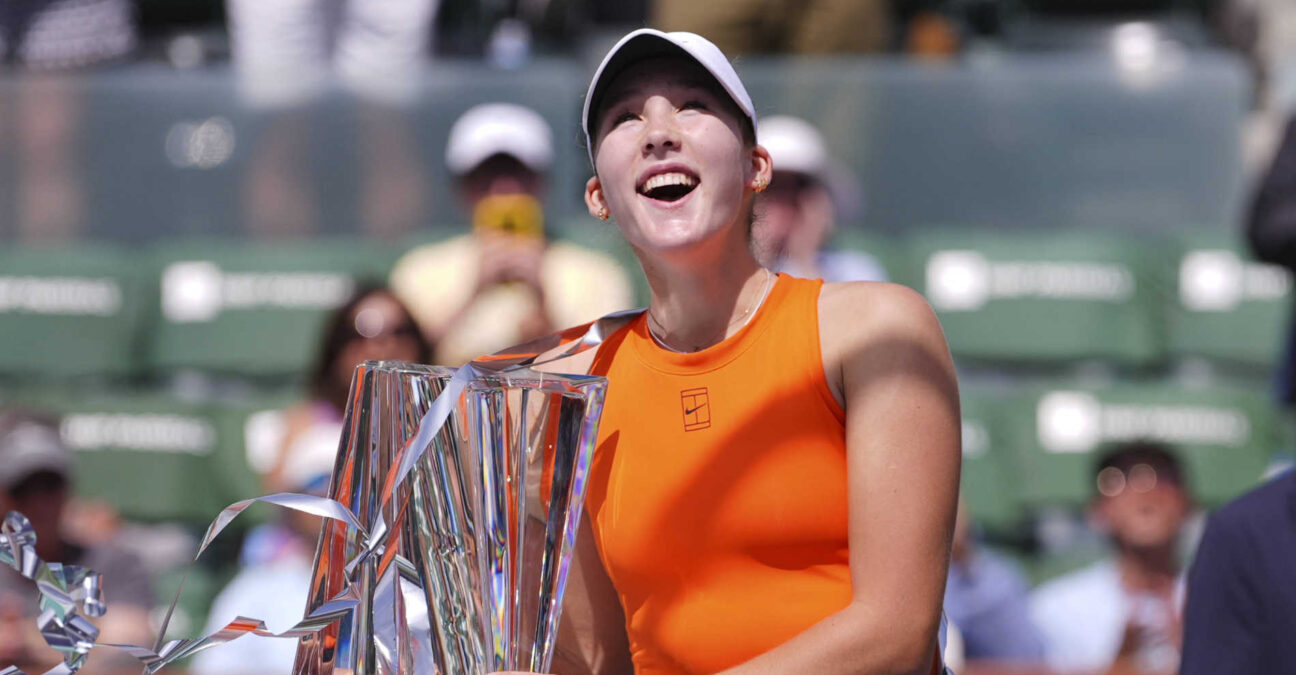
pixel 693 105
pixel 623 117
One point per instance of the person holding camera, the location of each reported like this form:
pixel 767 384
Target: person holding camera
pixel 505 282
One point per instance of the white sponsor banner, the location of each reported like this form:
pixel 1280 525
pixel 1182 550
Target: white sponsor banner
pixel 961 280
pixel 165 433
pixel 60 296
pixel 1219 280
pixel 199 290
pixel 1077 422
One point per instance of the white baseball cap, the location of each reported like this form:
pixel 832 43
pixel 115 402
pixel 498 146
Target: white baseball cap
pixel 794 145
pixel 647 42
pixel 28 447
pixel 499 129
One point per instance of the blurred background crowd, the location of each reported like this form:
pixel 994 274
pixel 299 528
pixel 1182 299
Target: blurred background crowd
pixel 212 210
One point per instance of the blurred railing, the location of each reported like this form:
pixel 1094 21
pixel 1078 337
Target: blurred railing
pixel 1011 141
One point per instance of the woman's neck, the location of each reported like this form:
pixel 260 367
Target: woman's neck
pixel 696 305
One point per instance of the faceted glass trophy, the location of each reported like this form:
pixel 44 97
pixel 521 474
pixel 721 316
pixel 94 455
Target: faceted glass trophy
pixel 466 561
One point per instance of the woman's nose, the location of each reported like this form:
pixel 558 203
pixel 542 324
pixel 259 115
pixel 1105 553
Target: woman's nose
pixel 660 130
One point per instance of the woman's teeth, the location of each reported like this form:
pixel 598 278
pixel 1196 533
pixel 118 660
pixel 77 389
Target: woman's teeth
pixel 669 186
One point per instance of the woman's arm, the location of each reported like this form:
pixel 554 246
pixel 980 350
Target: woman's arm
pixel 885 357
pixel 591 638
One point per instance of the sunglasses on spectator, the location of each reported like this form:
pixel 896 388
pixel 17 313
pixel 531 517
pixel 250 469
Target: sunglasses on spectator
pixel 369 325
pixel 1138 479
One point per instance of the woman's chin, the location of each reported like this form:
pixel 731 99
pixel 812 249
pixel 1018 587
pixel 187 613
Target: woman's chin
pixel 655 229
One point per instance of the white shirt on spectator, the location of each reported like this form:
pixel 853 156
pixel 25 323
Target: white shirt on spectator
pixel 1082 616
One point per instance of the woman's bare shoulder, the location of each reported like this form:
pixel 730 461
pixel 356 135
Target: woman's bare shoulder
pixel 861 309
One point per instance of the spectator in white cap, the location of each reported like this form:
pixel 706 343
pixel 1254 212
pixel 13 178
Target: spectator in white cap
pixel 796 216
pixel 35 480
pixel 505 282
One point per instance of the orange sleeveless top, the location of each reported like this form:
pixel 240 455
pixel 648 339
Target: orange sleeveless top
pixel 718 492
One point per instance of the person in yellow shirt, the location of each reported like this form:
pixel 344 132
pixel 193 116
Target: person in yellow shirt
pixel 505 282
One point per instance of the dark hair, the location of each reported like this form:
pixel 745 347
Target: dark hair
pixel 339 329
pixel 1125 456
pixel 500 162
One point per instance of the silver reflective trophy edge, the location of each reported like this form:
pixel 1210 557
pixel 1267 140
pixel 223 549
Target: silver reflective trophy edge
pixel 466 571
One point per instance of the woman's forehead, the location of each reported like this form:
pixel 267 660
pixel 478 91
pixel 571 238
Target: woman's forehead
pixel 659 74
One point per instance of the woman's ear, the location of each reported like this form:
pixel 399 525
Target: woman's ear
pixel 762 168
pixel 594 200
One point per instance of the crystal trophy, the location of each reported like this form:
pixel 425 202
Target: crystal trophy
pixel 473 546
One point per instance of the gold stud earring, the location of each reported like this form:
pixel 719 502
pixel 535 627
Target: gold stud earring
pixel 602 213
pixel 761 184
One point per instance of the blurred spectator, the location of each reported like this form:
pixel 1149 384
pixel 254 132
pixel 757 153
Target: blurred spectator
pixel 986 599
pixel 276 560
pixel 1241 591
pixel 285 52
pixel 1122 614
pixel 372 325
pixel 47 38
pixel 1271 230
pixel 273 586
pixel 781 26
pixel 57 34
pixel 796 215
pixel 504 283
pixel 35 477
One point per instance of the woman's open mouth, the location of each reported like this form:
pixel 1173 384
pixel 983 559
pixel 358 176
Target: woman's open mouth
pixel 668 186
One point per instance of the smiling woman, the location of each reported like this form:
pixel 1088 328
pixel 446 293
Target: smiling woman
pixel 775 481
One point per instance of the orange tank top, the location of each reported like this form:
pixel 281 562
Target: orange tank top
pixel 718 492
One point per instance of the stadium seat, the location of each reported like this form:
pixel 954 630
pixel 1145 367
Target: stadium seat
pixel 1226 307
pixel 1043 298
pixel 254 309
pixel 1225 437
pixel 150 456
pixel 252 429
pixel 68 311
pixel 990 484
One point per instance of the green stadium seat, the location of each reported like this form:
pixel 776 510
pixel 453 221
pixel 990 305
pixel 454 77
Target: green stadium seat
pixel 1225 437
pixel 150 456
pixel 989 483
pixel 1227 307
pixel 253 429
pixel 254 309
pixel 1040 298
pixel 68 311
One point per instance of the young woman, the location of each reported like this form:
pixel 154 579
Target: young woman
pixel 775 482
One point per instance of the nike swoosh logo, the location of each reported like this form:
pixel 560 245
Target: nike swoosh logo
pixel 690 411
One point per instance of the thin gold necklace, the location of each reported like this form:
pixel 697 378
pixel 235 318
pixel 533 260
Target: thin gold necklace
pixel 741 320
